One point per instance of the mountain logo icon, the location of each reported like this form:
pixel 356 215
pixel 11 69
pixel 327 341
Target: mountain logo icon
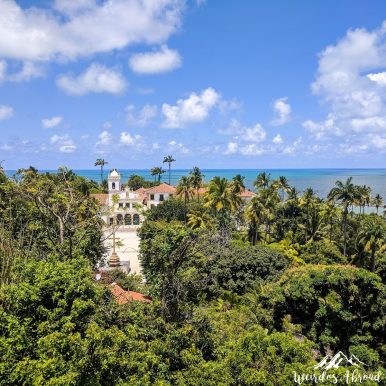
pixel 338 360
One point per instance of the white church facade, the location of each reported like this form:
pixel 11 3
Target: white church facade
pixel 125 207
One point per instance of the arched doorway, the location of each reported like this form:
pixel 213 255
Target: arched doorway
pixel 119 219
pixel 136 219
pixel 127 219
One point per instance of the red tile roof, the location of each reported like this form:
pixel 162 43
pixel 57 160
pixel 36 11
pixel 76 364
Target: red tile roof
pixel 122 297
pixel 101 197
pixel 141 193
pixel 162 188
pixel 247 193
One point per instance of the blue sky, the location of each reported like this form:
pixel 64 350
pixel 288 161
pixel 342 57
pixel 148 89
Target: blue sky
pixel 218 84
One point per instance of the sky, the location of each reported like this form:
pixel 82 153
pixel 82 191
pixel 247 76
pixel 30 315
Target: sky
pixel 216 84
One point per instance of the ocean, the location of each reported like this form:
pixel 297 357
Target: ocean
pixel 321 180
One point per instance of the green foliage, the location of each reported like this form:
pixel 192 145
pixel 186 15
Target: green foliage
pixel 169 210
pixel 336 306
pixel 239 268
pixel 129 282
pixel 135 182
pixel 322 252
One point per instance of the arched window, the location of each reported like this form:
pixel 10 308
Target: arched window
pixel 127 219
pixel 136 219
pixel 113 186
pixel 119 219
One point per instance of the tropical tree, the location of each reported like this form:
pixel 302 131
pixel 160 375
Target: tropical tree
pixel 198 219
pixel 377 201
pixel 185 189
pixel 262 180
pixel 220 197
pixel 157 172
pixel 363 197
pixel 169 159
pixel 283 184
pixel 101 162
pixel 345 194
pixel 372 236
pixel 196 179
pixel 237 184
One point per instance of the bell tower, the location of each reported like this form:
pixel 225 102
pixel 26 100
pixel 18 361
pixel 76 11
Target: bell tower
pixel 114 182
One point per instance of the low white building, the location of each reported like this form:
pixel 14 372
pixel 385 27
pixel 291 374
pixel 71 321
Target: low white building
pixel 124 206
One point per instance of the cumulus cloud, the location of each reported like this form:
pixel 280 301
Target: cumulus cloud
pixel 282 111
pixel 277 140
pixel 158 62
pixel 104 138
pixel 350 84
pixel 127 139
pixel 254 133
pixel 49 123
pixel 144 116
pixel 63 143
pixel 177 147
pixel 6 112
pixel 82 28
pixel 193 109
pixel 232 148
pixel 96 78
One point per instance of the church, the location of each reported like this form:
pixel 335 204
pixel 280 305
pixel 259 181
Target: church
pixel 125 207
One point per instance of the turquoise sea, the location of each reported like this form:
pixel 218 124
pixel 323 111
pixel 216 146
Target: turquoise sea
pixel 321 180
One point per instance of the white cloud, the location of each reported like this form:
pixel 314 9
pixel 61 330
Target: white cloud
pixel 27 71
pixel 6 112
pixel 107 125
pixel 49 123
pixel 161 61
pixel 63 143
pixel 194 109
pixel 128 139
pixel 144 117
pixel 249 134
pixel 379 78
pixel 82 28
pixel 178 147
pixel 282 111
pixel 277 140
pixel 104 138
pixel 96 78
pixel 232 148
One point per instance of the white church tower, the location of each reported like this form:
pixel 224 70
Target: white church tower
pixel 114 182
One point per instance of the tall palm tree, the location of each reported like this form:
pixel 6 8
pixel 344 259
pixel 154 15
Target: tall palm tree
pixel 308 201
pixel 196 178
pixel 200 220
pixel 101 162
pixel 377 201
pixel 157 172
pixel 283 184
pixel 363 197
pixel 185 188
pixel 169 159
pixel 262 180
pixel 345 195
pixel 237 184
pixel 220 197
pixel 372 236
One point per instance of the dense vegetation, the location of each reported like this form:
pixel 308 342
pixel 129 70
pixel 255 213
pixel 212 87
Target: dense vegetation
pixel 244 292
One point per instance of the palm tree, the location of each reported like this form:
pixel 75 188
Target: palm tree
pixel 262 180
pixel 308 201
pixel 372 236
pixel 377 201
pixel 283 184
pixel 169 159
pixel 157 171
pixel 101 162
pixel 199 220
pixel 363 197
pixel 345 194
pixel 196 178
pixel 237 184
pixel 185 188
pixel 220 197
